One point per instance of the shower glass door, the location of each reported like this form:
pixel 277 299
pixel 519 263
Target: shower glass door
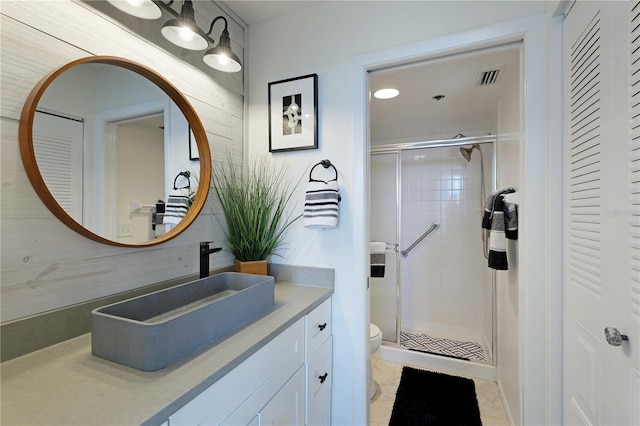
pixel 385 228
pixel 446 287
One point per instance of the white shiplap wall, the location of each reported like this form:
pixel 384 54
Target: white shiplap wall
pixel 44 264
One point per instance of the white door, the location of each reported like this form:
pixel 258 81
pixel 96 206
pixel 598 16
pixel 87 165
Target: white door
pixel 601 217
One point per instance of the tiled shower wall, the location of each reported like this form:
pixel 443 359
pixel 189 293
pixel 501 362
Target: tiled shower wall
pixel 445 287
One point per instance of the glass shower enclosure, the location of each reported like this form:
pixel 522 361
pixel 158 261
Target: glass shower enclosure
pixel 437 293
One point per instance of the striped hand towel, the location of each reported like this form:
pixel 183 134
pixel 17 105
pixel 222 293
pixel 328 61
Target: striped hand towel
pixel 176 208
pixel 321 204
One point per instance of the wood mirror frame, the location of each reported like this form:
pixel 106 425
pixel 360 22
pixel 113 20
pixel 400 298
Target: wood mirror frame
pixel 27 150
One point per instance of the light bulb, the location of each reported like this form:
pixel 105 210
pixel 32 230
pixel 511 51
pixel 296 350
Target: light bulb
pixel 135 3
pixel 386 93
pixel 186 34
pixel 223 59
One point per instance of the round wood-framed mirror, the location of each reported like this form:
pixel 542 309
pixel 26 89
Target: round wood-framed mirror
pixel 133 124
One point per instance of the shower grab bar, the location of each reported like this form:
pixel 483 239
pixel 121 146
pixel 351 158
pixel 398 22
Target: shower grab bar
pixel 433 227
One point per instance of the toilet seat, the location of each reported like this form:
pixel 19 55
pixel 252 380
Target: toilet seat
pixel 374 332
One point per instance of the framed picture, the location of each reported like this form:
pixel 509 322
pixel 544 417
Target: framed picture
pixel 293 114
pixel 194 155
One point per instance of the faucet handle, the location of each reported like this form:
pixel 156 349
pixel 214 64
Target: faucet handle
pixel 205 243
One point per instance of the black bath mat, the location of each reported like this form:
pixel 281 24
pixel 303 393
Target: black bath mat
pixel 429 398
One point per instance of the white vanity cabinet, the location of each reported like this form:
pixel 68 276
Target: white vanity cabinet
pixel 286 382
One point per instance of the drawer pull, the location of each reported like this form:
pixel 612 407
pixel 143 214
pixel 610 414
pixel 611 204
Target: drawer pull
pixel 323 377
pixel 322 326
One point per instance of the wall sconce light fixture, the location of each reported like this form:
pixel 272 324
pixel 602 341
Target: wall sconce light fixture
pixel 183 31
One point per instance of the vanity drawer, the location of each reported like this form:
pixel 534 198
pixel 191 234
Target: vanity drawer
pixel 319 381
pixel 318 323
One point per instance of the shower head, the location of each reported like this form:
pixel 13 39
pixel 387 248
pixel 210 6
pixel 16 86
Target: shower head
pixel 466 152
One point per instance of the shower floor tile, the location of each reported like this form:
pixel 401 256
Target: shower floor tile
pixel 440 346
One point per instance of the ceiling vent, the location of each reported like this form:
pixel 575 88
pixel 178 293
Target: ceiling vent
pixel 489 77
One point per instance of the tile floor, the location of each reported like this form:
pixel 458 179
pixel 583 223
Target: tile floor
pixel 387 375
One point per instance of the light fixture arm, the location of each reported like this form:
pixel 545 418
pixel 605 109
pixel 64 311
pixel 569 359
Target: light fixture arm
pixel 214 22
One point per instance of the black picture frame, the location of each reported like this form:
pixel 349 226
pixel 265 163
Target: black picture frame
pixel 293 114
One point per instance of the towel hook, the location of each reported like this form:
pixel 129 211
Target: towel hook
pixel 187 175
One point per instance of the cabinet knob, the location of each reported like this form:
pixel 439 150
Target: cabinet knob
pixel 322 326
pixel 323 377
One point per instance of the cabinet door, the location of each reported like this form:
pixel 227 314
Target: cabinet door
pixel 319 380
pixel 286 408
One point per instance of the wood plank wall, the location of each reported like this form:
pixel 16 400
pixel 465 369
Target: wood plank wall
pixel 44 264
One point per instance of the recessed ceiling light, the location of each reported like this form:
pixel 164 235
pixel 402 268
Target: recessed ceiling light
pixel 386 93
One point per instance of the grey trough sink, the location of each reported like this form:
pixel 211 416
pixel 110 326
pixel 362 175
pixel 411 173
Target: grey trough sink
pixel 153 331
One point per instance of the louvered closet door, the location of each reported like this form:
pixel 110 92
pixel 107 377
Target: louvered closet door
pixel 58 145
pixel 601 237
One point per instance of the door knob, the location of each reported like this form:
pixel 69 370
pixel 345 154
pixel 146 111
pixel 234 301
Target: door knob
pixel 613 336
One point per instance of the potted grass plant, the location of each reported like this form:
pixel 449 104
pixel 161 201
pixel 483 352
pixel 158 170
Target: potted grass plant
pixel 254 203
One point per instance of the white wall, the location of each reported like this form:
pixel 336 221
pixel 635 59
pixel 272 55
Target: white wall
pixel 507 283
pixel 45 265
pixel 327 39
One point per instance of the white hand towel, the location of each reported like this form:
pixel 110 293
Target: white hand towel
pixel 378 247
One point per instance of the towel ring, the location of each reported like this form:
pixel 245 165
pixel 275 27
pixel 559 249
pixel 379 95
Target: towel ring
pixel 187 175
pixel 326 164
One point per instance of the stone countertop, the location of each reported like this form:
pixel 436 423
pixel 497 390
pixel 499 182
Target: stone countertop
pixel 66 385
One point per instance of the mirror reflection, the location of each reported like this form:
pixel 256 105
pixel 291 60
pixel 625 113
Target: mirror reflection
pixel 116 152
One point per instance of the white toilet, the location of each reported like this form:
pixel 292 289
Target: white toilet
pixel 375 339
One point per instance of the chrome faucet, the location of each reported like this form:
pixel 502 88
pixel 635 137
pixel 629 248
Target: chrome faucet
pixel 205 251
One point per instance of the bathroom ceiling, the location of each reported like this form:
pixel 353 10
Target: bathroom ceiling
pixel 467 107
pixel 254 11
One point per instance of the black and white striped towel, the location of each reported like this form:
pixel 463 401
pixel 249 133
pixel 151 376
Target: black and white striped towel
pixel 501 219
pixel 321 208
pixel 377 258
